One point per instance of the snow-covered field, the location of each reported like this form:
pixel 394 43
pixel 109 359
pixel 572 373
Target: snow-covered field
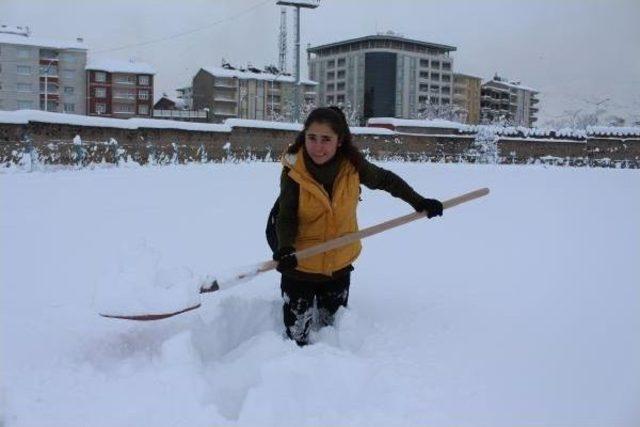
pixel 522 308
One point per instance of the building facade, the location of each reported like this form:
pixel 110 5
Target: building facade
pixel 466 95
pixel 384 75
pixel 247 93
pixel 119 89
pixel 508 101
pixel 41 74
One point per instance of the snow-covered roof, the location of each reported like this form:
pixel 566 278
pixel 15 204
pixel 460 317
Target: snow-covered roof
pixel 248 75
pixel 435 123
pixel 264 124
pixel 118 66
pixel 511 84
pixel 613 130
pixel 26 116
pixel 41 42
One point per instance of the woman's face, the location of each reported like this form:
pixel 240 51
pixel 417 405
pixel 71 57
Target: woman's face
pixel 321 142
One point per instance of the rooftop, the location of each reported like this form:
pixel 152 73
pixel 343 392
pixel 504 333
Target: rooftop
pixel 249 75
pixel 384 37
pixel 117 66
pixel 26 40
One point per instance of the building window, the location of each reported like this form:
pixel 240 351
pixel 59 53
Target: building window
pixel 340 99
pixel 446 89
pixel 68 57
pixel 24 53
pixel 25 105
pixel 143 80
pixel 143 94
pixel 329 99
pixel 341 62
pixel 143 110
pixel 68 90
pixel 445 101
pixel 341 74
pixel 123 109
pixel 24 87
pixel 435 76
pixel 446 66
pixel 125 79
pixel 424 87
pixel 124 94
pixel 446 78
pixel 435 64
pixel 100 92
pixel 24 70
pixel 340 86
pixel 69 108
pixel 100 76
pixel 424 74
pixel 331 75
pixel 423 99
pixel 51 87
pixel 434 100
pixel 424 63
pixel 101 108
pixel 331 63
pixel 68 74
pixel 331 87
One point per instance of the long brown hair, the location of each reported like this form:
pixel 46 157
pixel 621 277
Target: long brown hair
pixel 335 118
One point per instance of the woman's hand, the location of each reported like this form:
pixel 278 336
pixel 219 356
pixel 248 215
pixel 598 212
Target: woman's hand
pixel 431 207
pixel 286 258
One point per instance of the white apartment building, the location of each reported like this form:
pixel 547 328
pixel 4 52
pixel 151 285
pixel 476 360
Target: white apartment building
pixel 249 93
pixel 41 74
pixel 502 99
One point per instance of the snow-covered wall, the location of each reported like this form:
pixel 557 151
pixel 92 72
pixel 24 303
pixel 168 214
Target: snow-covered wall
pixel 51 138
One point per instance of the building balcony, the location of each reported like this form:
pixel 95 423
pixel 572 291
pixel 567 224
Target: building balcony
pixel 126 99
pixel 225 113
pixel 534 100
pixel 225 99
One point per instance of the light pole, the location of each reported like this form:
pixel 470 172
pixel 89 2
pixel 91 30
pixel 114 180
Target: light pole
pixel 308 4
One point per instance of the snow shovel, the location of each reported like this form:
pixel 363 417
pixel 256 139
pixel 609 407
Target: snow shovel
pixel 213 285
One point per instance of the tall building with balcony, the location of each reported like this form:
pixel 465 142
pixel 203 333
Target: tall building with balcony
pixel 120 89
pixel 510 101
pixel 249 93
pixel 41 74
pixel 384 75
pixel 466 95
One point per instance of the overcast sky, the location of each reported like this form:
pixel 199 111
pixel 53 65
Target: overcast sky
pixel 576 53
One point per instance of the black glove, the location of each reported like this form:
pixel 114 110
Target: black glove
pixel 287 261
pixel 431 207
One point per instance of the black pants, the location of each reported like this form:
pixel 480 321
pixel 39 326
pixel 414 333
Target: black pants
pixel 299 296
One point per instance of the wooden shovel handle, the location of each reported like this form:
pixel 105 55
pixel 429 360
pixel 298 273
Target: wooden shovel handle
pixel 375 229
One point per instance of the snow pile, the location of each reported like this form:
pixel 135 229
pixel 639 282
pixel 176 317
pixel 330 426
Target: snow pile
pixel 613 130
pixel 435 123
pixel 26 116
pixel 503 312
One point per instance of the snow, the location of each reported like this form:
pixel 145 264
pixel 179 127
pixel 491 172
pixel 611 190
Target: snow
pixel 435 123
pixel 265 124
pixel 40 42
pixel 26 116
pixel 119 66
pixel 224 72
pixel 522 308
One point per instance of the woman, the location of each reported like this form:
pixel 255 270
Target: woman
pixel 319 193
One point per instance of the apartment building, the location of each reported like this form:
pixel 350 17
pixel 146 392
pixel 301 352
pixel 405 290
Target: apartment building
pixel 39 73
pixel 120 89
pixel 466 96
pixel 247 93
pixel 383 75
pixel 505 100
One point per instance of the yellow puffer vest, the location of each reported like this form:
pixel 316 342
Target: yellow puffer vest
pixel 322 218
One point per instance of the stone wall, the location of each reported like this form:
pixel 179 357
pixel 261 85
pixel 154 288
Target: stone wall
pixel 54 144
